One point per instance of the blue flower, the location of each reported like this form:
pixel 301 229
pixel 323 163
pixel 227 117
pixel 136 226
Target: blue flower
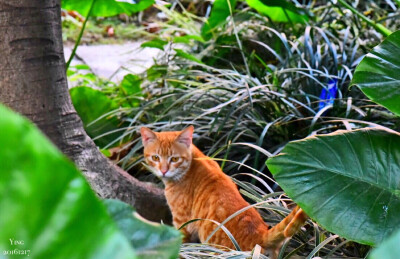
pixel 328 94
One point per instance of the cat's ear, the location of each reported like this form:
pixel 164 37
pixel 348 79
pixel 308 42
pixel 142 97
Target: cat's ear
pixel 185 137
pixel 147 135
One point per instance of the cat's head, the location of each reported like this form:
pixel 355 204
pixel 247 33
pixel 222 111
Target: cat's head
pixel 168 154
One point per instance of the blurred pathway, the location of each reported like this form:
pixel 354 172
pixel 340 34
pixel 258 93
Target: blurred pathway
pixel 114 61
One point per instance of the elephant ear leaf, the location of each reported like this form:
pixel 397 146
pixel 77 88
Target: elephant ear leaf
pixel 106 8
pixel 279 10
pixel 220 11
pixel 48 210
pixel 349 181
pixel 150 240
pixel 378 74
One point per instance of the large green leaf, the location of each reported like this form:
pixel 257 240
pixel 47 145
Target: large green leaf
pixel 378 74
pixel 46 204
pixel 150 240
pixel 130 91
pixel 105 8
pixel 183 54
pixel 92 104
pixel 279 10
pixel 155 43
pixel 349 182
pixel 220 11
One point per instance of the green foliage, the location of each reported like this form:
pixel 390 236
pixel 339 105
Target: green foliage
pixel 279 11
pixel 221 10
pixel 360 162
pixel 93 106
pixel 130 85
pixel 347 182
pixel 150 240
pixel 72 72
pixel 187 39
pixel 378 75
pixel 130 91
pixel 155 43
pixel 97 107
pixel 82 75
pixel 46 202
pixel 105 8
pixel 389 249
pixel 377 26
pixel 156 72
pixel 185 55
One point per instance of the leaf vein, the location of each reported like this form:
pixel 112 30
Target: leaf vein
pixel 350 207
pixel 334 195
pixel 368 213
pixel 387 188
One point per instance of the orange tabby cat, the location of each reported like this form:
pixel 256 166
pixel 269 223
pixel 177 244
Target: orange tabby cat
pixel 196 187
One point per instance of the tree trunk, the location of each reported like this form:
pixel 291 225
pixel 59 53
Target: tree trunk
pixel 33 83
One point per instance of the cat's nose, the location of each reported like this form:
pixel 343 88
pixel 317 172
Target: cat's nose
pixel 164 171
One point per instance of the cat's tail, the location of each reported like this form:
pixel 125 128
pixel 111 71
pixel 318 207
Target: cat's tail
pixel 275 236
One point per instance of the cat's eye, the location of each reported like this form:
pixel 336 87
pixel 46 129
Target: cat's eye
pixel 155 158
pixel 174 159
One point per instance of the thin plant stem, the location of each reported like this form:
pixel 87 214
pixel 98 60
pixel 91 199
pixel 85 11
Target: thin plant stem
pixel 78 40
pixel 237 39
pixel 379 27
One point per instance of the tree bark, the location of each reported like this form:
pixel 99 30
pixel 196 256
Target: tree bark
pixel 33 82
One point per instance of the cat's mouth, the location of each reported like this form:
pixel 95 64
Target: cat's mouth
pixel 174 177
pixel 167 176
